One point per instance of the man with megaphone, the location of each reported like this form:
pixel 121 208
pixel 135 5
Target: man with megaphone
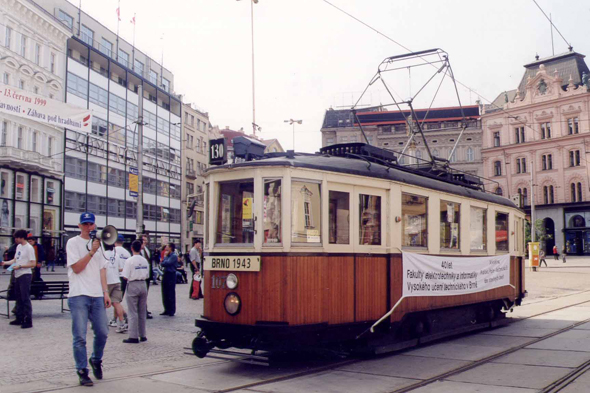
pixel 89 296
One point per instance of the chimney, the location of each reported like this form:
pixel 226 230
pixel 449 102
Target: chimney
pixel 227 127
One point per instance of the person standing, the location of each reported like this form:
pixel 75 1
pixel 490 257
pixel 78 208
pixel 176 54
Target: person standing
pixel 564 252
pixel 169 264
pixel 114 273
pixel 555 254
pixel 542 258
pixel 88 298
pixel 50 258
pixel 24 260
pixel 40 256
pixel 195 258
pixel 136 271
pixel 147 254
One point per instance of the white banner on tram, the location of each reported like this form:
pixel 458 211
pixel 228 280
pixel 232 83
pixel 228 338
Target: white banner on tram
pixel 426 275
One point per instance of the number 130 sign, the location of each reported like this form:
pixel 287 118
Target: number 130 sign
pixel 217 151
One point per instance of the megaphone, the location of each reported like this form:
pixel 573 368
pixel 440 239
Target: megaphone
pixel 108 235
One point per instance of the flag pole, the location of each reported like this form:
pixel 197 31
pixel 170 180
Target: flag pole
pixel 133 46
pixel 118 22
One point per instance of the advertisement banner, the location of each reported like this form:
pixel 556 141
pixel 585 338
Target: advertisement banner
pixel 133 182
pixel 35 107
pixel 534 248
pixel 426 275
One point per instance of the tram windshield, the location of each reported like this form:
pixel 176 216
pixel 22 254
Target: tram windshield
pixel 235 218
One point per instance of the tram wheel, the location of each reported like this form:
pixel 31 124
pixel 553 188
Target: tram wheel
pixel 200 347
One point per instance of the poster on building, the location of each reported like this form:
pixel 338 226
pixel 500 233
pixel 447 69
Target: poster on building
pixel 426 275
pixel 133 182
pixel 41 109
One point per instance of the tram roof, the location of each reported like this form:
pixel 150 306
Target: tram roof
pixel 355 166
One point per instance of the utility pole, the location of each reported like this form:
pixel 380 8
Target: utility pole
pixel 139 227
pixel 532 202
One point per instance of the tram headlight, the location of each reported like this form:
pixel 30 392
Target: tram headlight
pixel 232 303
pixel 231 281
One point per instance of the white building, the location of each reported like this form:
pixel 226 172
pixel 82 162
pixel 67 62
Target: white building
pixel 33 58
pixel 104 73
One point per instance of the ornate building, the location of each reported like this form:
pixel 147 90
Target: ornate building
pixel 543 127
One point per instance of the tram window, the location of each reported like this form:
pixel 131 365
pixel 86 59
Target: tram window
pixel 501 232
pixel 306 218
pixel 478 228
pixel 339 217
pixel 415 220
pixel 272 211
pixel 450 217
pixel 370 220
pixel 235 219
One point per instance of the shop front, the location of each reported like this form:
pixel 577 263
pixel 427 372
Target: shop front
pixel 577 232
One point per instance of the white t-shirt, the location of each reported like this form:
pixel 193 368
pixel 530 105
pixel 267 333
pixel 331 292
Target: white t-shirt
pixel 121 255
pixel 87 282
pixel 112 267
pixel 24 254
pixel 136 268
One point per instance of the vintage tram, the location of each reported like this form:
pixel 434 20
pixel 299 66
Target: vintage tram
pixel 306 251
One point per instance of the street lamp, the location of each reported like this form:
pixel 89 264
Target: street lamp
pixel 292 122
pixel 254 125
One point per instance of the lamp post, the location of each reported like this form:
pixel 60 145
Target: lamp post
pixel 292 122
pixel 254 125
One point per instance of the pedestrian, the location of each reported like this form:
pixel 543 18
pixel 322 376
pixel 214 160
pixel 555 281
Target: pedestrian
pixel 564 252
pixel 50 258
pixel 195 263
pixel 136 271
pixel 62 258
pixel 555 254
pixel 542 258
pixel 40 254
pixel 116 259
pixel 88 298
pixel 169 264
pixel 146 253
pixel 24 260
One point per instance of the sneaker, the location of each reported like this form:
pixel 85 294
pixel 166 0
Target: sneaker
pixel 84 379
pixel 96 368
pixel 120 329
pixel 113 323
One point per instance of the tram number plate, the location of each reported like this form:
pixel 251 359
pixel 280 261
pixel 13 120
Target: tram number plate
pixel 233 263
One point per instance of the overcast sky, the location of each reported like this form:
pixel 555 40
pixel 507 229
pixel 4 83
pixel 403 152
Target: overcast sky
pixel 310 56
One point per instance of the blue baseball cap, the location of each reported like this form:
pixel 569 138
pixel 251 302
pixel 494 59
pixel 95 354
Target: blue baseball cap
pixel 120 238
pixel 86 218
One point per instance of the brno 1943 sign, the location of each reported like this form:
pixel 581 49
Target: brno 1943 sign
pixel 426 275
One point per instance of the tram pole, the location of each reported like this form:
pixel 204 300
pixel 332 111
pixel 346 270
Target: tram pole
pixel 139 226
pixel 533 234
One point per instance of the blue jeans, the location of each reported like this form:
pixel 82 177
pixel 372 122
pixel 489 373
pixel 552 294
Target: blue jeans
pixel 84 309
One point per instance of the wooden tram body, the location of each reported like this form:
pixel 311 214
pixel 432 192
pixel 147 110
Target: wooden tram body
pixel 326 288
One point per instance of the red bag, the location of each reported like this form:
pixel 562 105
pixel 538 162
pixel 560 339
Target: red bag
pixel 196 289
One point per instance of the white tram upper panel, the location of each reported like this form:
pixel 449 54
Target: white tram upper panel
pixel 319 203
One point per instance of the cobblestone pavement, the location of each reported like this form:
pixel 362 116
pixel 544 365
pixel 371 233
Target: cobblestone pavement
pixel 45 351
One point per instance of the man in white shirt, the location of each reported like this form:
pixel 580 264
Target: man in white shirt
pixel 136 271
pixel 114 271
pixel 24 260
pixel 195 258
pixel 88 297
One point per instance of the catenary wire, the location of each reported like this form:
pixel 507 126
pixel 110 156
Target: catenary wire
pixel 552 24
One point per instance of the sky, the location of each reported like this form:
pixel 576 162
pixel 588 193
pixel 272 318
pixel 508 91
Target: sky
pixel 309 56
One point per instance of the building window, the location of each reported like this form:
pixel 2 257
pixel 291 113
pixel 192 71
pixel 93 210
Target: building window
pixel 23 46
pixel 496 139
pixel 21 84
pixel 52 63
pixel 138 67
pixel 548 195
pixel 124 58
pixel 547 162
pixel 166 85
pixel 99 126
pixel 153 77
pixel 117 104
pixel 77 86
pixel 497 168
pixel 572 125
pixel 519 133
pixel 414 220
pixel 329 141
pixel 65 19
pixel 98 95
pixel 4 136
pixel 37 54
pixel 545 130
pixel 521 165
pixel 470 154
pixel 522 192
pixel 8 37
pixel 576 191
pixel 34 141
pixel 50 146
pixel 106 47
pixel 575 158
pixel 36 90
pixel 19 139
pixel 6 78
pixel 87 35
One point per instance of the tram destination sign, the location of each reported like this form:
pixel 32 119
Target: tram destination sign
pixel 217 151
pixel 242 263
pixel 426 275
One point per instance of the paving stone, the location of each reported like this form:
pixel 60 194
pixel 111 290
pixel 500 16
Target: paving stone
pixel 563 344
pixel 579 385
pixel 405 366
pixel 462 387
pixel 542 322
pixel 540 357
pixel 484 340
pixel 456 351
pixel 511 375
pixel 134 385
pixel 519 331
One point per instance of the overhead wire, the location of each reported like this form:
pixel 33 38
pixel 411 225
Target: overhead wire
pixel 552 24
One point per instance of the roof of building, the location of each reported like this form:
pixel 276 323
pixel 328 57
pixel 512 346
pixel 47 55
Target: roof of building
pixel 229 135
pixel 499 102
pixel 345 118
pixel 567 64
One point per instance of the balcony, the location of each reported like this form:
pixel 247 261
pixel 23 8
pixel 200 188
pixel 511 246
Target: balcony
pixel 29 160
pixel 191 173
